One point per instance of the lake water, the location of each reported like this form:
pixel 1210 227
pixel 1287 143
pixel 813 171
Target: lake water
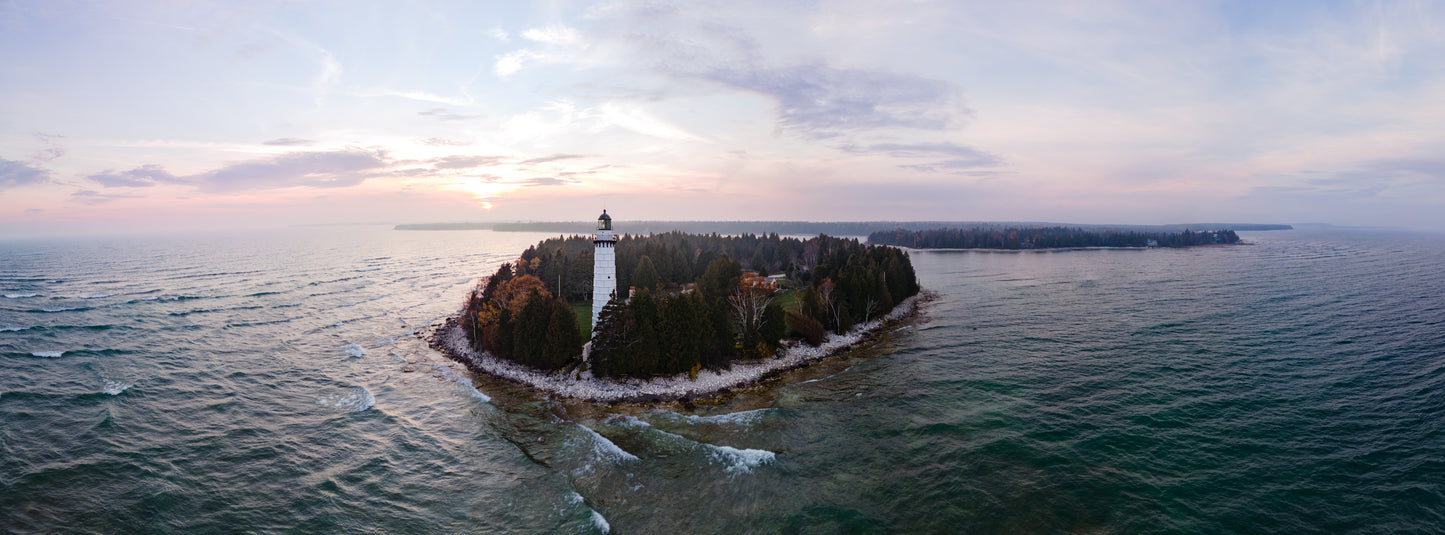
pixel 274 382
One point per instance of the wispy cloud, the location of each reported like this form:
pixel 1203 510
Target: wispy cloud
pixel 91 197
pixel 465 162
pixel 815 98
pixel 820 101
pixel 446 115
pixel 556 34
pixel 140 177
pixel 957 158
pixel 13 174
pixel 552 158
pixel 287 142
pixel 315 169
pixel 51 150
pixel 440 142
pixel 545 181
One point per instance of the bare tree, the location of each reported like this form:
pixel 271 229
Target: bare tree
pixel 753 295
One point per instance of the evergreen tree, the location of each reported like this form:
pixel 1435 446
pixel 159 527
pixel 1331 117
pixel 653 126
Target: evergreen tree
pixel 563 343
pixel 645 276
pixel 773 328
pixel 611 337
pixel 642 359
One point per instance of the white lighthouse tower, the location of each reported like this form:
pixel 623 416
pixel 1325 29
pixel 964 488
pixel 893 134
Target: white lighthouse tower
pixel 604 265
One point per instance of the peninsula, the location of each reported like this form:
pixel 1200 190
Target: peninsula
pixel 674 316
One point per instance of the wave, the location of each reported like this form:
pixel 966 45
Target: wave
pixel 354 350
pixel 291 304
pixel 95 296
pixel 600 522
pixel 62 309
pixel 20 296
pixel 12 328
pixel 741 417
pixel 355 399
pixel 47 354
pixel 734 460
pixel 741 461
pixel 605 448
pixel 114 387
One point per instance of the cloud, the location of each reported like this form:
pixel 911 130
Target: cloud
pixel 552 158
pixel 819 101
pixel 815 98
pixel 140 177
pixel 958 157
pixel 555 34
pixel 287 142
pixel 465 162
pixel 511 62
pixel 439 142
pixel 444 115
pixel 52 150
pixel 13 174
pixel 315 169
pixel 91 197
pixel 545 181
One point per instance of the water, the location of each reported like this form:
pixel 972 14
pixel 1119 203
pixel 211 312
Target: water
pixel 273 382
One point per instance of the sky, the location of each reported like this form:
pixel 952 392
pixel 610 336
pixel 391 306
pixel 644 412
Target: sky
pixel 122 116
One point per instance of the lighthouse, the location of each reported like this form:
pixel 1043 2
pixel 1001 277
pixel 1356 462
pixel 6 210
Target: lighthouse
pixel 604 265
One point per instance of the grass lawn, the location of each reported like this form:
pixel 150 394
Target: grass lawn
pixel 788 299
pixel 584 317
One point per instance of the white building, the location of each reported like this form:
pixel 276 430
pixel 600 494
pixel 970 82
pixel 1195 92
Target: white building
pixel 604 265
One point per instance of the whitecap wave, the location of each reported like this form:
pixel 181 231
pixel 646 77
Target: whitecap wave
pixel 114 387
pixel 605 448
pixel 11 328
pixel 356 399
pixel 20 296
pixel 47 354
pixel 740 418
pixel 741 461
pixel 600 522
pixel 354 350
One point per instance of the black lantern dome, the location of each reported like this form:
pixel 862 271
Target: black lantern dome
pixel 604 221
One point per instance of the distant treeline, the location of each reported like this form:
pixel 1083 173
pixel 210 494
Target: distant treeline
pixel 810 228
pixel 678 321
pixel 1046 238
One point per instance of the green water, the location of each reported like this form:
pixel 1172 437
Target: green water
pixel 262 383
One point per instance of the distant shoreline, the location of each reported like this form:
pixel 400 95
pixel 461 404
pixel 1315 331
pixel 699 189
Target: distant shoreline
pixel 452 342
pixel 834 228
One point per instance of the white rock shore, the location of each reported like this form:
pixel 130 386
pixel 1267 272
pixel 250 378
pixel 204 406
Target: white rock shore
pixel 453 342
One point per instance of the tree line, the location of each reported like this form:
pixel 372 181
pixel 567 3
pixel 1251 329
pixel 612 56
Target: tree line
pixel 695 306
pixel 1046 238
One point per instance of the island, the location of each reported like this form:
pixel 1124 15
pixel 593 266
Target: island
pixel 1018 238
pixel 675 316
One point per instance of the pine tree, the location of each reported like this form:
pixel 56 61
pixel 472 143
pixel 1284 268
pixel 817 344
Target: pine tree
pixel 645 276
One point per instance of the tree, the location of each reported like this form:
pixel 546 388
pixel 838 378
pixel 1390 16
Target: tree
pixel 806 327
pixel 752 297
pixel 563 342
pixel 720 278
pixel 645 276
pixel 611 337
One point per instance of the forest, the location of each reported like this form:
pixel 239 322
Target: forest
pixel 1046 238
pixel 696 301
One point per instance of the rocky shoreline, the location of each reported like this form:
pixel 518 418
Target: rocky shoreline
pixel 452 342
